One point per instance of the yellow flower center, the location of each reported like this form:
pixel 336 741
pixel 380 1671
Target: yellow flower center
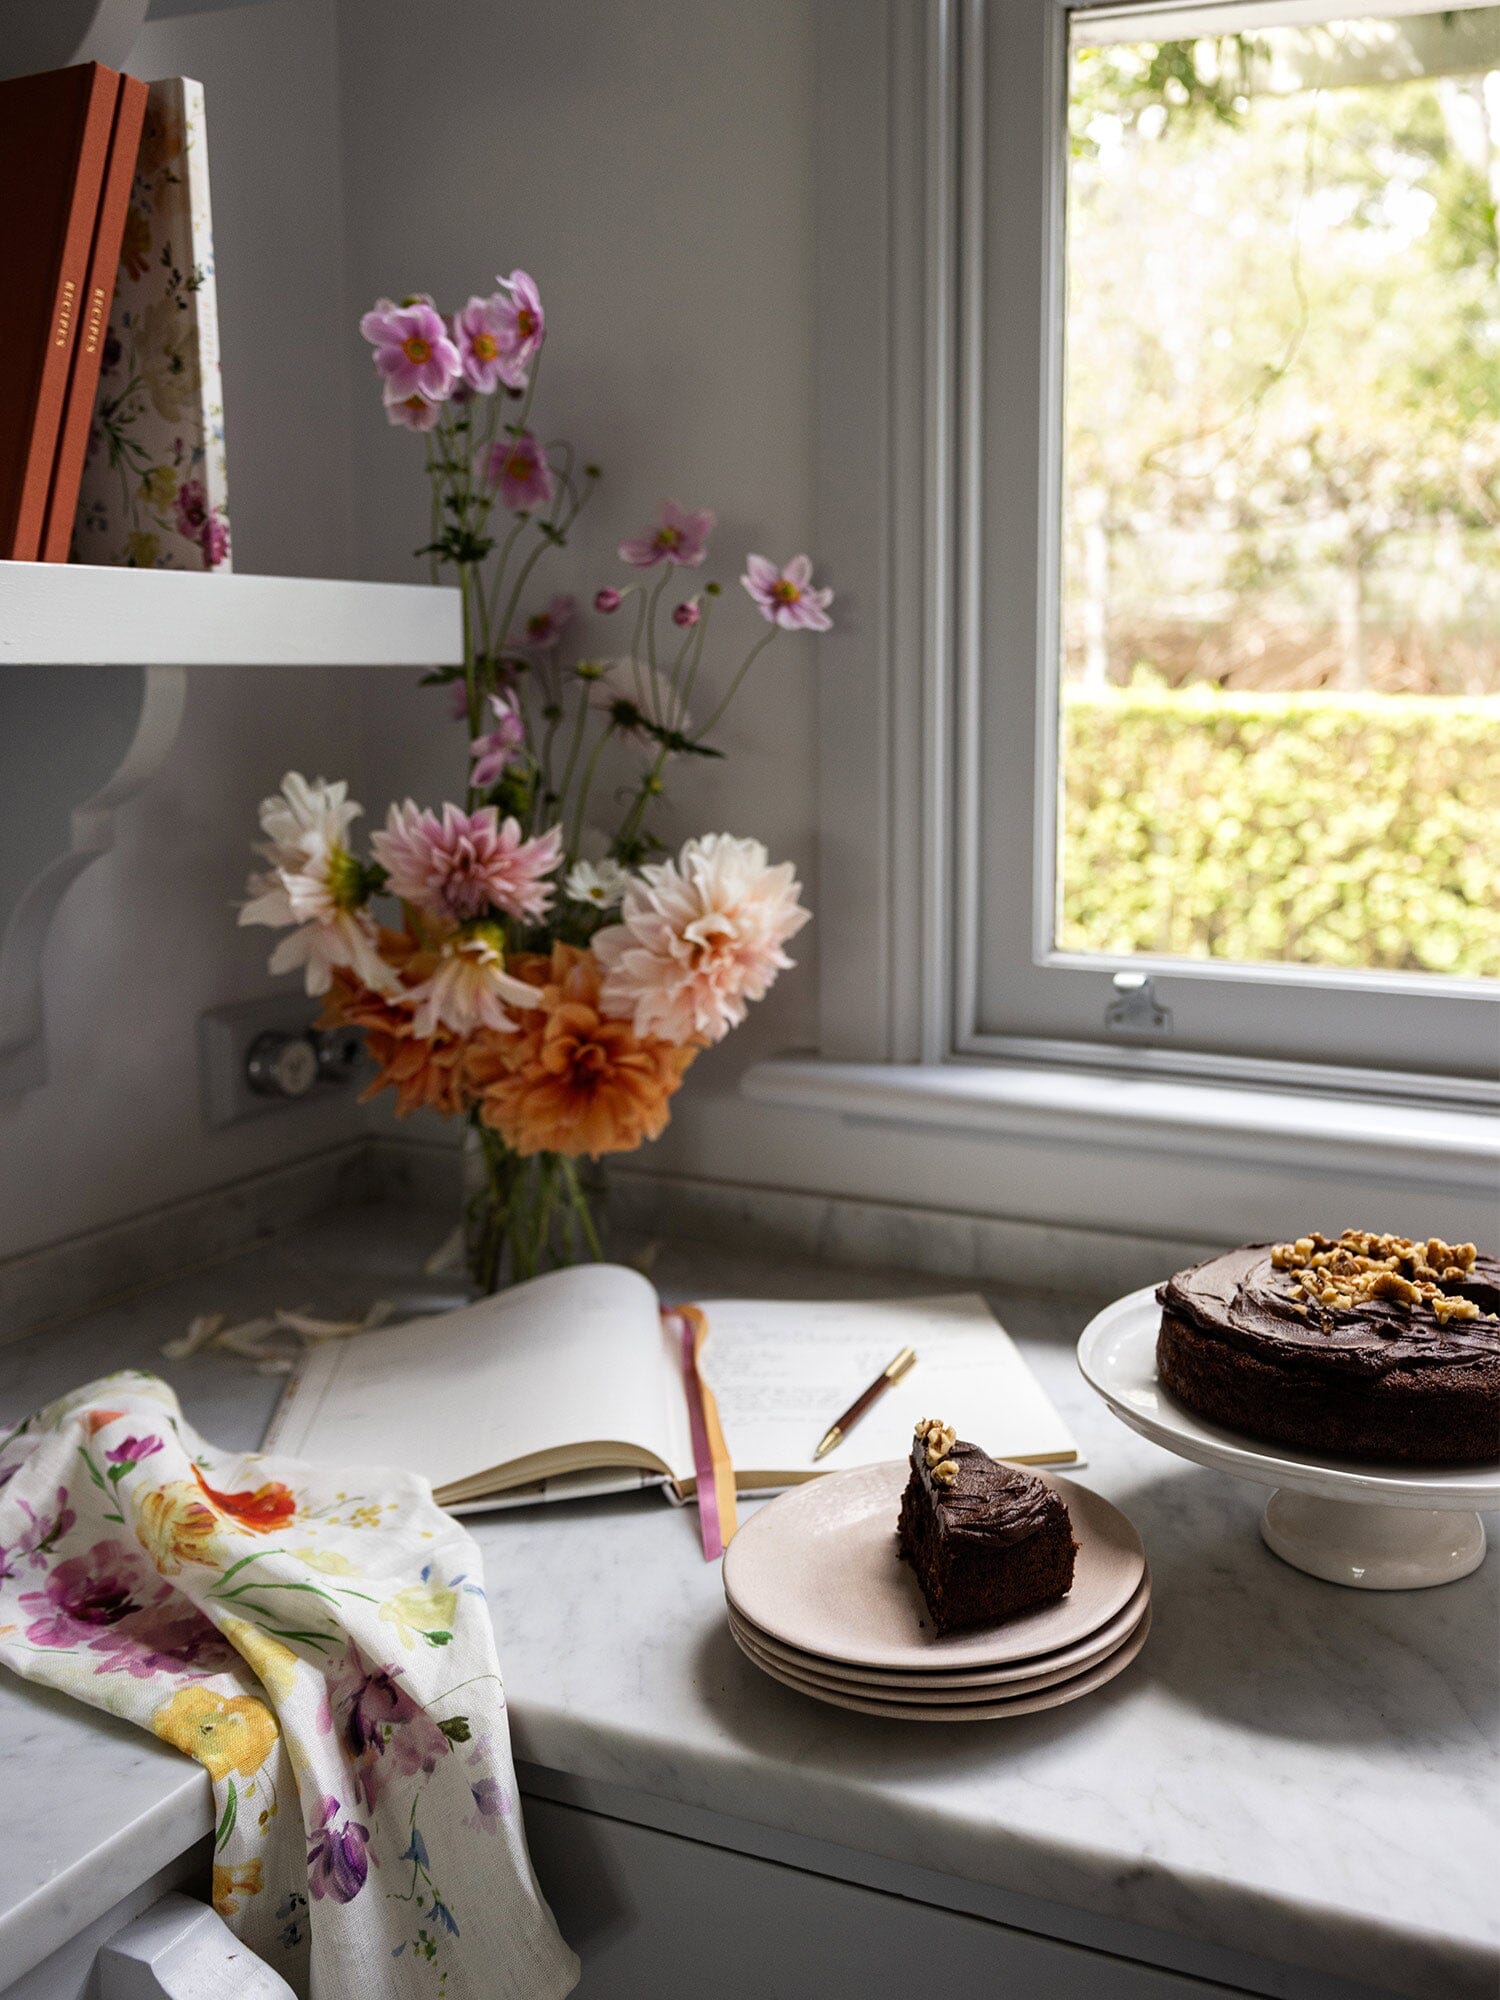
pixel 344 879
pixel 485 346
pixel 518 467
pixel 668 538
pixel 784 592
pixel 525 322
pixel 415 348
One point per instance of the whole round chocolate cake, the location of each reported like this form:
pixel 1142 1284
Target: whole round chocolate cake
pixel 1363 1347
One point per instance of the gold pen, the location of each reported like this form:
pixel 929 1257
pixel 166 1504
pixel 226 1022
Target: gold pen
pixel 836 1433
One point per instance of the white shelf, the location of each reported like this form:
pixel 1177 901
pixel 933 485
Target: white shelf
pixel 63 614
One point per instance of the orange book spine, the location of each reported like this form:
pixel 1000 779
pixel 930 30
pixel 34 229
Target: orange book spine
pixel 29 476
pixel 93 320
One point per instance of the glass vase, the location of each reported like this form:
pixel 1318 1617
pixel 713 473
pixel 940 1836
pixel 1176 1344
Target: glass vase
pixel 527 1213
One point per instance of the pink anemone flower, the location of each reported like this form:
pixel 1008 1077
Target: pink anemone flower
pixel 786 596
pixel 522 326
pixel 458 867
pixel 544 629
pixel 494 751
pixel 413 412
pixel 518 466
pixel 414 354
pixel 678 537
pixel 479 332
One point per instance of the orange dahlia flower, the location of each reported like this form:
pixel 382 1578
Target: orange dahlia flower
pixel 567 1078
pixel 426 1072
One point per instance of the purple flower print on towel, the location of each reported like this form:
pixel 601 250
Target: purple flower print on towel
pixel 383 1730
pixel 177 1639
pixel 131 1450
pixel 87 1591
pixel 338 1858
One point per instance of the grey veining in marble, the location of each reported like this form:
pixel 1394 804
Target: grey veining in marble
pixel 1290 1769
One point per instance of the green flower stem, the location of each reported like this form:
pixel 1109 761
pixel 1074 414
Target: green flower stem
pixel 696 640
pixel 590 769
pixel 745 665
pixel 523 1219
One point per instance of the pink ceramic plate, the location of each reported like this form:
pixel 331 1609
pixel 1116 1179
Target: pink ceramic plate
pixel 1037 1672
pixel 817 1571
pixel 833 1682
pixel 990 1711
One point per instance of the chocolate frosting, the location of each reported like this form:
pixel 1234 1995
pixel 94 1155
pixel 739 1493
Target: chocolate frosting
pixel 988 1502
pixel 1241 1299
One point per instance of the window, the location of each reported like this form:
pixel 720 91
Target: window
pixel 1229 707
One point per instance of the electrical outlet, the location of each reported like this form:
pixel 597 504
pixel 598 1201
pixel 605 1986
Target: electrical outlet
pixel 266 1055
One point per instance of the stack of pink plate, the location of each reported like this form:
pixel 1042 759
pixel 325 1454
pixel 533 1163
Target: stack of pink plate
pixel 820 1600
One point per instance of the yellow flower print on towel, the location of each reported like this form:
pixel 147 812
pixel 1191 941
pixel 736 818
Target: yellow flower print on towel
pixel 159 487
pixel 275 1665
pixel 421 1611
pixel 177 1526
pixel 233 1884
pixel 224 1732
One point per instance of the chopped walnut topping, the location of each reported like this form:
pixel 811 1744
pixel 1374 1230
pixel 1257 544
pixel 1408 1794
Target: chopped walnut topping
pixel 939 1438
pixel 1360 1267
pixel 945 1472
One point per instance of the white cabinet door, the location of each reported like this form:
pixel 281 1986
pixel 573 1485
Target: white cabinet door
pixel 655 1917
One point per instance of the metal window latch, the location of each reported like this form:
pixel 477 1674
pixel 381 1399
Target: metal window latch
pixel 1135 1009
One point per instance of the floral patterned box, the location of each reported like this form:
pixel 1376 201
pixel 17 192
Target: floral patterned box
pixel 155 490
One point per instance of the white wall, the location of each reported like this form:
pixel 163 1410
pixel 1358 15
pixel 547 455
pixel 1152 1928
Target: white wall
pixel 147 939
pixel 651 165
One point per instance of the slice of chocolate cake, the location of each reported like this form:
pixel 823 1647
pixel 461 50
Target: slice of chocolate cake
pixel 986 1540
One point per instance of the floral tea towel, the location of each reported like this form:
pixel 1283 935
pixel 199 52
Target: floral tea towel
pixel 155 492
pixel 320 1643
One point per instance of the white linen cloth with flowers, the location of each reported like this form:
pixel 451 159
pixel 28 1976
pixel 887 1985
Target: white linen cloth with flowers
pixel 320 1642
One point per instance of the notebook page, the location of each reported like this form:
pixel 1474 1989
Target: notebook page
pixel 783 1372
pixel 563 1360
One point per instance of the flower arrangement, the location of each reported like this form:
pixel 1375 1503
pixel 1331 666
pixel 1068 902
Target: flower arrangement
pixel 550 970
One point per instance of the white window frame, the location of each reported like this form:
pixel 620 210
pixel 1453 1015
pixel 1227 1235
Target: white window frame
pixel 940 169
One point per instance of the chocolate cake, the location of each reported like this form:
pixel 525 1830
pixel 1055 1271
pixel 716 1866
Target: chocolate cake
pixel 986 1540
pixel 1362 1347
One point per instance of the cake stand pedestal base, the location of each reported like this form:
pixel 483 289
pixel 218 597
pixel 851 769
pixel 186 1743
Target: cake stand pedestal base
pixel 1369 1546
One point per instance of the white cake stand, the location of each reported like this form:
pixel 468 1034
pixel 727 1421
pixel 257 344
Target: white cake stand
pixel 1373 1527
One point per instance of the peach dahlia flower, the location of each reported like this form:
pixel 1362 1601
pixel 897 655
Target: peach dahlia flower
pixel 698 937
pixel 569 1079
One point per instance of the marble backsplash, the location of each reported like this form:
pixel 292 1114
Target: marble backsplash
pixel 59 1281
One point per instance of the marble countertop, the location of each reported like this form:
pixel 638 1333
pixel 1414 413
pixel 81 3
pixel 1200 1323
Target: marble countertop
pixel 1290 1770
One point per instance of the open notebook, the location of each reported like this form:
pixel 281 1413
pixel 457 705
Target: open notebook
pixel 573 1383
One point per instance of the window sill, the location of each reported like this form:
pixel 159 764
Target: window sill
pixel 1377 1140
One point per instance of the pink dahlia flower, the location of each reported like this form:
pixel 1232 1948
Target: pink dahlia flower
pixel 697 938
pixel 479 333
pixel 522 326
pixel 678 537
pixel 413 413
pixel 470 987
pixel 786 596
pixel 518 466
pixel 544 629
pixel 413 352
pixel 462 865
pixel 493 751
